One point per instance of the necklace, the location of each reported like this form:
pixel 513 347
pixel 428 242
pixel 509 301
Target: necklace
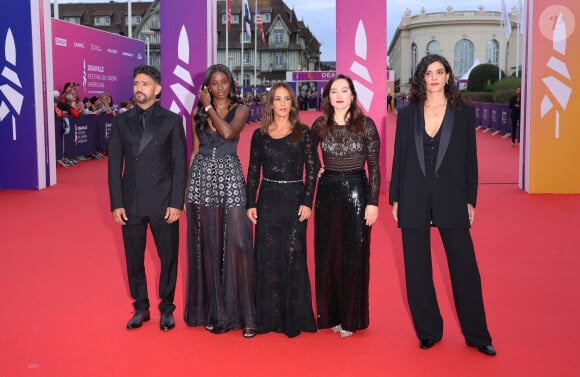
pixel 440 107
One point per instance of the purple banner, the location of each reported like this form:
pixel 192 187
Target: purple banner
pixel 184 56
pixel 19 107
pixel 97 60
pixel 312 75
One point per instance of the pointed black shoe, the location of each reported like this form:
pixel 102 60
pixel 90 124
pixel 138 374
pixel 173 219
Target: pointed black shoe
pixel 137 320
pixel 488 350
pixel 167 322
pixel 427 343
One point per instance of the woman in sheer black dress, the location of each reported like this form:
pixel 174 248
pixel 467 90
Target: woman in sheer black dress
pixel 346 208
pixel 220 271
pixel 282 149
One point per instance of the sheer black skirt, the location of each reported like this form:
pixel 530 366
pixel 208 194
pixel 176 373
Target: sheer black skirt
pixel 342 250
pixel 283 292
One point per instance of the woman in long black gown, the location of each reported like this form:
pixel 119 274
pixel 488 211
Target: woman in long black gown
pixel 346 208
pixel 220 272
pixel 282 149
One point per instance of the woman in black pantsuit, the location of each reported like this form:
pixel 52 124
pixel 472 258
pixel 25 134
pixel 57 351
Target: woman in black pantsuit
pixel 434 183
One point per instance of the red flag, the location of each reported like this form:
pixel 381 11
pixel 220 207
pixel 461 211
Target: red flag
pixel 229 14
pixel 260 24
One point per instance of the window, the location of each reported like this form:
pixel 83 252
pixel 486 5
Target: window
pixel 278 59
pixel 246 80
pixel 72 19
pixel 492 52
pixel 278 36
pixel 414 59
pixel 463 57
pixel 235 19
pixel 246 57
pixel 433 47
pixel 135 20
pixel 246 38
pixel 102 20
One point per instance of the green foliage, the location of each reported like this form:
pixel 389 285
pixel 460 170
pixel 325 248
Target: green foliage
pixel 486 97
pixel 483 77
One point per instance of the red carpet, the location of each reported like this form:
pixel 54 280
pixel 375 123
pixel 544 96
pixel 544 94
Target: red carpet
pixel 65 299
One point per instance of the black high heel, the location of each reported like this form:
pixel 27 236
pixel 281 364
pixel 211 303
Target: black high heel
pixel 249 333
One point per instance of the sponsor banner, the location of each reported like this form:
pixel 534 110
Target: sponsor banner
pixel 551 137
pixel 312 75
pixel 19 107
pixel 361 31
pixel 184 57
pixel 98 61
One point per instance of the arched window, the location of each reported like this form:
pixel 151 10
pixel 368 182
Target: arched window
pixel 463 57
pixel 414 59
pixel 492 52
pixel 433 47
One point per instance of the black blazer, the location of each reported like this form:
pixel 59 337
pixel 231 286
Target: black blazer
pixel 147 170
pixel 455 181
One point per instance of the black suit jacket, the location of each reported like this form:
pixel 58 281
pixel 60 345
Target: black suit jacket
pixel 147 170
pixel 455 181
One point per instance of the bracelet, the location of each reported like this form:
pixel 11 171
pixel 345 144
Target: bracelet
pixel 208 107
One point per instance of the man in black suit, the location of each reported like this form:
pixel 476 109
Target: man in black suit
pixel 147 174
pixel 515 103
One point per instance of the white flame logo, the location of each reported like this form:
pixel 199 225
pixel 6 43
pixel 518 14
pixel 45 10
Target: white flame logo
pixel 12 96
pixel 183 94
pixel 560 91
pixel 365 95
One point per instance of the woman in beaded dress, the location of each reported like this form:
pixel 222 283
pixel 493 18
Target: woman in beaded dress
pixel 220 270
pixel 282 150
pixel 346 208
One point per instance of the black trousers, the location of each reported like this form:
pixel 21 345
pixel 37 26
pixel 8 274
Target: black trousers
pixel 515 134
pixel 166 237
pixel 465 281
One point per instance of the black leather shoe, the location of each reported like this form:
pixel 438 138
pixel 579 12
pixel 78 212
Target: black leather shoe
pixel 427 343
pixel 488 350
pixel 138 318
pixel 167 322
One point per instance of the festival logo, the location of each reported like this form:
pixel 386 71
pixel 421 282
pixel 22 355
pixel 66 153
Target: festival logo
pixel 560 91
pixel 365 95
pixel 11 99
pixel 182 93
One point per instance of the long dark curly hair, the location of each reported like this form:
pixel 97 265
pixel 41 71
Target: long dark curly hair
pixel 355 116
pixel 268 113
pixel 419 92
pixel 201 115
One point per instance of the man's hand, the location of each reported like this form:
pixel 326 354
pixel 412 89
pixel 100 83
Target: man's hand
pixel 120 216
pixel 172 215
pixel 252 215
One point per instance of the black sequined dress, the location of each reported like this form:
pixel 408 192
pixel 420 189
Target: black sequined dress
pixel 341 236
pixel 220 272
pixel 283 292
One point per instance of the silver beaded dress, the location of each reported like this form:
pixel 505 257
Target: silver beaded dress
pixel 220 271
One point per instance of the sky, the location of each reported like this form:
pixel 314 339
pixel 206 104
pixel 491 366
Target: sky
pixel 319 15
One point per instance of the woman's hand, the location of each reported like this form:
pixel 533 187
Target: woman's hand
pixel 470 213
pixel 252 214
pixel 204 96
pixel 304 213
pixel 371 213
pixel 320 171
pixel 396 211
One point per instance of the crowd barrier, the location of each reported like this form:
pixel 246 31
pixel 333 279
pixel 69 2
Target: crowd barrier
pixel 88 134
pixel 490 116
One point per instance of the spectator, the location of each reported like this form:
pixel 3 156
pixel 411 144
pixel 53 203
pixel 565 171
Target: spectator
pixel 515 103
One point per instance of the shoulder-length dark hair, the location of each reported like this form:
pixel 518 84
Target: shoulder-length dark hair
pixel 354 115
pixel 201 115
pixel 418 89
pixel 268 112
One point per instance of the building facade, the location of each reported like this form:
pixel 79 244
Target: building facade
pixel 289 44
pixel 462 37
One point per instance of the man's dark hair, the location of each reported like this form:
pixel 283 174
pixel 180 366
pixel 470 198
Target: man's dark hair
pixel 149 71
